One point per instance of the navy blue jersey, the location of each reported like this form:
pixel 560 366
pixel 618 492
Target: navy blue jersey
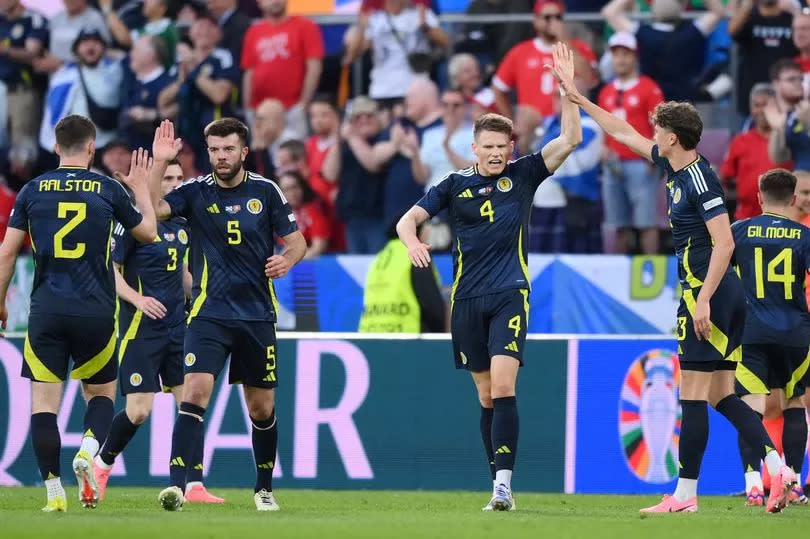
pixel 141 93
pixel 491 216
pixel 70 213
pixel 14 33
pixel 694 196
pixel 156 270
pixel 773 256
pixel 196 109
pixel 232 236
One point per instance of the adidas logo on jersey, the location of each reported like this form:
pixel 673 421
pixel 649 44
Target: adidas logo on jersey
pixel 465 194
pixel 512 347
pixel 213 208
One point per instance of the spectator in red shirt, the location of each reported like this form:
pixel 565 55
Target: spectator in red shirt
pixel 630 188
pixel 282 58
pixel 323 118
pixel 522 71
pixel 309 215
pixel 747 158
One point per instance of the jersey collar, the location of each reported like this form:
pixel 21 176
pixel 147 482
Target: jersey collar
pixel 772 214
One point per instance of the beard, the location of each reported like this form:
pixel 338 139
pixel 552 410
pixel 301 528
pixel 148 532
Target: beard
pixel 227 175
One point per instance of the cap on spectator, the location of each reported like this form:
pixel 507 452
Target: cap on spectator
pixel 623 39
pixel 540 4
pixel 88 33
pixel 361 105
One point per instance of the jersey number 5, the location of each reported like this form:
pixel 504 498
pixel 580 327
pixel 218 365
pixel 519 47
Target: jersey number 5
pixel 786 277
pixel 63 209
pixel 486 211
pixel 234 234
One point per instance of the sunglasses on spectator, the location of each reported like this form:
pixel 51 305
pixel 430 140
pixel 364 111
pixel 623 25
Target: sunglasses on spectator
pixel 549 16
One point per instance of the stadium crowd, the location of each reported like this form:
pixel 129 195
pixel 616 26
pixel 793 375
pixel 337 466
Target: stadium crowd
pixel 350 166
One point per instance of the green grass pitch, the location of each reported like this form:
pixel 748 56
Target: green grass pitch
pixel 134 512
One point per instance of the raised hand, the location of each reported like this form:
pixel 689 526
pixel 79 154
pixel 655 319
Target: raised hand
pixel 563 71
pixel 140 166
pixel 164 146
pixel 775 117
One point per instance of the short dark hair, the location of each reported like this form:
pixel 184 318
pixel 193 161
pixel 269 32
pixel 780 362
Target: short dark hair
pixel 325 99
pixel 297 149
pixel 174 162
pixel 785 64
pixel 73 132
pixel 777 185
pixel 225 127
pixel 307 193
pixel 493 122
pixel 682 119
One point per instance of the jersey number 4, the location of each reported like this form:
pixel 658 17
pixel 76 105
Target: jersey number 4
pixel 486 211
pixel 786 277
pixel 64 209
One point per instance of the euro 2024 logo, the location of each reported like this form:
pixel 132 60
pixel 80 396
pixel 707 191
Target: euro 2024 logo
pixel 650 416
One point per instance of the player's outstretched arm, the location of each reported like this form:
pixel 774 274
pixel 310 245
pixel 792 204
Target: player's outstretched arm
pixel 556 151
pixel 165 147
pixel 722 250
pixel 138 181
pixel 148 305
pixel 418 252
pixel 12 243
pixel 295 248
pixel 613 126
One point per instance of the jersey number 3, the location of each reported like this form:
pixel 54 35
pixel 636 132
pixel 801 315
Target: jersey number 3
pixel 785 258
pixel 63 210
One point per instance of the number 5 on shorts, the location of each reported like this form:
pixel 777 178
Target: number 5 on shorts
pixel 514 325
pixel 271 364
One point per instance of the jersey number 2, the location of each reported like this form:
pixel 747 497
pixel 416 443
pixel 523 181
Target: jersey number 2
pixel 486 211
pixel 785 258
pixel 63 209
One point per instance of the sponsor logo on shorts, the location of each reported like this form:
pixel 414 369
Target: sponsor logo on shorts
pixel 254 206
pixel 190 359
pixel 182 236
pixel 504 185
pixel 136 379
pixel 650 416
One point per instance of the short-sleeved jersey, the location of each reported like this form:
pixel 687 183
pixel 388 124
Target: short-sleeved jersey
pixel 14 33
pixel 694 196
pixel 70 214
pixel 773 255
pixel 491 219
pixel 232 236
pixel 155 270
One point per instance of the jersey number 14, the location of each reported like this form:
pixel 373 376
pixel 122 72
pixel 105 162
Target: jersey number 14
pixel 786 277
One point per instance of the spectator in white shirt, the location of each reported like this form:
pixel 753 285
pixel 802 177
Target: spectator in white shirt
pixel 64 28
pixel 446 147
pixel 401 37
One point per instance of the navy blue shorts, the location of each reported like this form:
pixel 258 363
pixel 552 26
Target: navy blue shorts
pixel 487 326
pixel 151 364
pixel 772 366
pixel 250 344
pixel 727 316
pixel 53 340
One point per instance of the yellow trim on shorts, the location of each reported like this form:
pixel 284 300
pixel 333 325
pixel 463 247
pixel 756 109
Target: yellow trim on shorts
pixel 717 338
pixel 525 294
pixel 797 375
pixel 38 369
pixel 750 381
pixel 97 362
pixel 132 330
pixel 198 302
pixel 458 274
pixel 691 280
